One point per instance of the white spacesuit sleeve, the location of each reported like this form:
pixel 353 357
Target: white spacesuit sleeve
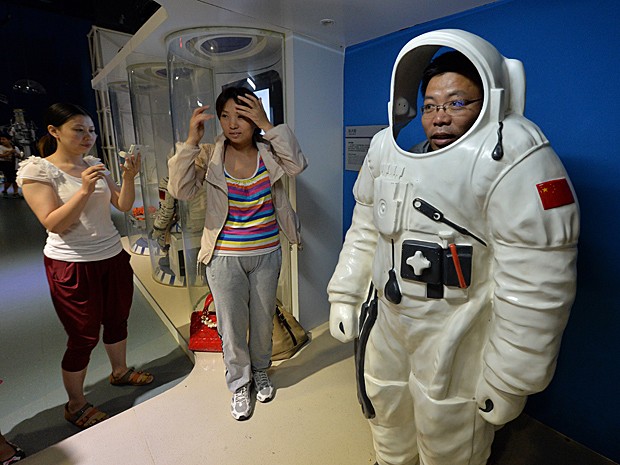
pixel 348 286
pixel 166 215
pixel 535 250
pixel 166 212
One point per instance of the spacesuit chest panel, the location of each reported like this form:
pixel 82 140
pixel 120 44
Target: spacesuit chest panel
pixel 426 209
pixel 390 197
pixel 431 263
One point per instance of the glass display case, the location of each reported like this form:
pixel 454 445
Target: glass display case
pixel 150 104
pixel 124 135
pixel 202 62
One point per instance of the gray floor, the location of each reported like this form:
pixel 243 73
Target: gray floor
pixel 32 342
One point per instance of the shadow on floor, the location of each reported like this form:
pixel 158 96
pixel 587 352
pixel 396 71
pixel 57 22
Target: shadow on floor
pixel 312 358
pixel 49 426
pixel 526 441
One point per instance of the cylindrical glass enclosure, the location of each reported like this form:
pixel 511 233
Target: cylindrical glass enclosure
pixel 201 63
pixel 122 125
pixel 150 103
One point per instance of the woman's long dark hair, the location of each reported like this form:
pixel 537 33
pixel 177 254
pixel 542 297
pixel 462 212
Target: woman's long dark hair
pixel 57 115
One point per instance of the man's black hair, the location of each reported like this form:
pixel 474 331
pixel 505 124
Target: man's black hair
pixel 450 62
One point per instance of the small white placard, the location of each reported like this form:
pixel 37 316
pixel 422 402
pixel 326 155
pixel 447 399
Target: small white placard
pixel 357 142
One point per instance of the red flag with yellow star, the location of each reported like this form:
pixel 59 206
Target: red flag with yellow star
pixel 555 193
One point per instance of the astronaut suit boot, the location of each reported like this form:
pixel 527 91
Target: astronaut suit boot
pixel 472 249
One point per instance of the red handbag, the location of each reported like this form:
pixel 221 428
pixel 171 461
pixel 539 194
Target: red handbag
pixel 203 335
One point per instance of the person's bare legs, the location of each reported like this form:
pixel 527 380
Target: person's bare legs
pixel 117 353
pixel 74 385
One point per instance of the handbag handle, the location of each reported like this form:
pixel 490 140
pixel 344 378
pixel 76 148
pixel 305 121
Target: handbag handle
pixel 208 301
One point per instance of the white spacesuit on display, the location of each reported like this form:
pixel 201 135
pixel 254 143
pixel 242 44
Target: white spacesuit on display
pixel 472 251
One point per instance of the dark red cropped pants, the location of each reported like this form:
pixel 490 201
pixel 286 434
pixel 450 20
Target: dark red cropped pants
pixel 87 295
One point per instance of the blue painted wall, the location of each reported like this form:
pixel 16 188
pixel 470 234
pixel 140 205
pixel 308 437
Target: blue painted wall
pixel 570 52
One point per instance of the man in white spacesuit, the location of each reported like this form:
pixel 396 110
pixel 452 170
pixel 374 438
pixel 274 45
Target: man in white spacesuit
pixel 470 241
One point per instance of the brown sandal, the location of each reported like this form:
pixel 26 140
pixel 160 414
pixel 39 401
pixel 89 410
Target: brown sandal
pixel 86 417
pixel 132 378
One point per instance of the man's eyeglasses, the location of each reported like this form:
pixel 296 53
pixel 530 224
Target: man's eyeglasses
pixel 453 108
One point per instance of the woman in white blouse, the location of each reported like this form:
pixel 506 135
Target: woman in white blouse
pixel 88 271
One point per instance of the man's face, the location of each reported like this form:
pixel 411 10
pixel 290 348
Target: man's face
pixel 441 127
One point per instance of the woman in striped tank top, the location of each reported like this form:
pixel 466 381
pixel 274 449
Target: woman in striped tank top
pixel 247 207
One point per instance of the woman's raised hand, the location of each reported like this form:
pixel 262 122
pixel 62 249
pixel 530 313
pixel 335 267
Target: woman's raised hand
pixel 255 112
pixel 131 167
pixel 197 125
pixel 90 176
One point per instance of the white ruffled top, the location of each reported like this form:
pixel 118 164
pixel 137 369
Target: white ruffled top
pixel 93 237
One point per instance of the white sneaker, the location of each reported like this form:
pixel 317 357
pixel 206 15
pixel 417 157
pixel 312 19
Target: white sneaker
pixel 241 404
pixel 263 386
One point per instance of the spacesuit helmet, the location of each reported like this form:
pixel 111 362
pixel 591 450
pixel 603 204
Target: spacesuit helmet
pixel 502 79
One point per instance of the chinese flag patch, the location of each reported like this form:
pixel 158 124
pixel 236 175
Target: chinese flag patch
pixel 555 193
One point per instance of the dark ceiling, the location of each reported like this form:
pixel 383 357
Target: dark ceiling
pixel 119 15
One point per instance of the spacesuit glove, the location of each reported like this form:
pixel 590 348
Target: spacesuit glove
pixel 498 407
pixel 344 322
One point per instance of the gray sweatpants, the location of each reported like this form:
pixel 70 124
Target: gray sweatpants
pixel 244 295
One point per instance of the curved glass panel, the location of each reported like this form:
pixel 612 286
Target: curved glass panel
pixel 148 87
pixel 124 135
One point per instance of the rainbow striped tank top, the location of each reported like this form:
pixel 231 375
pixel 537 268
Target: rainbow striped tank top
pixel 251 227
